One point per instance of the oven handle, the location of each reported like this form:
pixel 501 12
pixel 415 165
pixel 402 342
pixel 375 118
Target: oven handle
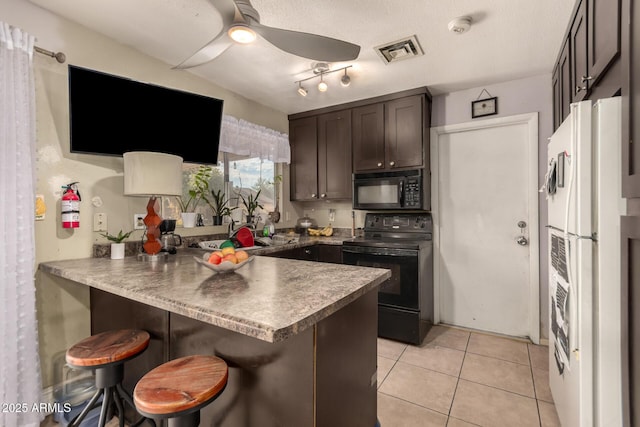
pixel 379 251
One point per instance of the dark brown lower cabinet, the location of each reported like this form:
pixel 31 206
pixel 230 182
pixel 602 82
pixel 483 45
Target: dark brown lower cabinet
pixel 321 253
pixel 630 254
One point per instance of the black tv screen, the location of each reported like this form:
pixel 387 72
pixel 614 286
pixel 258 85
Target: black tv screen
pixel 111 115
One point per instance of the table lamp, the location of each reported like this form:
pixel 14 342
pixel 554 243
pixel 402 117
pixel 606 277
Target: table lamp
pixel 152 174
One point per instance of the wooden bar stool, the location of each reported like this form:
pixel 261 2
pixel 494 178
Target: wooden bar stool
pixel 105 354
pixel 178 389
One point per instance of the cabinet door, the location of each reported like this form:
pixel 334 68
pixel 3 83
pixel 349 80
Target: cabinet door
pixel 565 82
pixel 334 155
pixel 604 36
pixel 303 138
pixel 403 132
pixel 330 253
pixel 578 53
pixel 630 254
pixel 368 137
pixel 557 98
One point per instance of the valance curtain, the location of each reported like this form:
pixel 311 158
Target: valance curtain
pixel 19 361
pixel 240 137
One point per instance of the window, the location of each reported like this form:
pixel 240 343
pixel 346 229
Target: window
pixel 234 176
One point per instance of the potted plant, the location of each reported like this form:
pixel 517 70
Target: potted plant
pixel 251 204
pixel 198 191
pixel 219 206
pixel 117 247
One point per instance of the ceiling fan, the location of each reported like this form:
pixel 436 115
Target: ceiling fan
pixel 241 23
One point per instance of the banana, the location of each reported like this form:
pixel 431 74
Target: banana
pixel 326 231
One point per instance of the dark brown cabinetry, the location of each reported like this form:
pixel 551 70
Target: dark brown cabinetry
pixel 390 135
pixel 377 134
pixel 320 253
pixel 588 62
pixel 321 157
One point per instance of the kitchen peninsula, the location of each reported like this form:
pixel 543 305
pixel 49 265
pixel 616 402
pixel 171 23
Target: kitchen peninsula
pixel 299 336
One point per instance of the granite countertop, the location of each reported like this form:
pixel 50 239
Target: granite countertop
pixel 269 298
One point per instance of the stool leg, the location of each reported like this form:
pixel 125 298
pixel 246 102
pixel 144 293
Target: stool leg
pixel 124 394
pixel 119 406
pixel 188 420
pixel 106 402
pixel 78 418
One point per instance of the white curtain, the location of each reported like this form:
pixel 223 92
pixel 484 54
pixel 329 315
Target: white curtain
pixel 252 140
pixel 19 362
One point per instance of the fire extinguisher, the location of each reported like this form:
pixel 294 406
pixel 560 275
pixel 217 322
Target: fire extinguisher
pixel 70 206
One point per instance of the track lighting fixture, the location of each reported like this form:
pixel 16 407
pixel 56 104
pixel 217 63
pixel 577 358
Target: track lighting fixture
pixel 302 91
pixel 322 86
pixel 320 69
pixel 345 80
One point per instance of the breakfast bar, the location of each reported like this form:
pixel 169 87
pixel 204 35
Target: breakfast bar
pixel 299 336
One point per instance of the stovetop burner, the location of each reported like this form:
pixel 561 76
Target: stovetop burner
pixel 402 230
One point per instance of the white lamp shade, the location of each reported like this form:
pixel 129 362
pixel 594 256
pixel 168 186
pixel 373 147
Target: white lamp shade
pixel 152 174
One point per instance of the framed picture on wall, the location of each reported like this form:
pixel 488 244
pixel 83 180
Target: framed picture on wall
pixel 484 107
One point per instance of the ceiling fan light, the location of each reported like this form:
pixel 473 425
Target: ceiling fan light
pixel 242 33
pixel 322 87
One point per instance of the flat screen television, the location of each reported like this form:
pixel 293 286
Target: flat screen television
pixel 111 115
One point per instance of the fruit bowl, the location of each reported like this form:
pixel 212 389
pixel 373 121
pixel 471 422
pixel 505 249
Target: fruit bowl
pixel 223 267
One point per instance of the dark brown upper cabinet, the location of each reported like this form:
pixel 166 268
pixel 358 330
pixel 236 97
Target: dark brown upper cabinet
pixel 303 138
pixel 631 101
pixel 321 157
pixel 578 53
pixel 588 65
pixel 390 135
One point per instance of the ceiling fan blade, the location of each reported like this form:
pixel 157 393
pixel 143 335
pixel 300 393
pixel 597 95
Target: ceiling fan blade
pixel 208 52
pixel 307 45
pixel 229 13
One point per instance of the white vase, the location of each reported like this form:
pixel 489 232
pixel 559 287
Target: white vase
pixel 189 219
pixel 117 250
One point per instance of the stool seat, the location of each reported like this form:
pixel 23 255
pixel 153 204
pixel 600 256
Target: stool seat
pixel 108 347
pixel 180 386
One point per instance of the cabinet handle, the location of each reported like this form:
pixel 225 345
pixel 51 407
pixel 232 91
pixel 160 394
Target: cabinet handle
pixel 313 195
pixel 586 79
pixel 379 164
pixel 323 195
pixel 392 164
pixel 580 88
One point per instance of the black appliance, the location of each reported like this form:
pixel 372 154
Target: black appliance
pixel 394 190
pixel 111 115
pixel 401 242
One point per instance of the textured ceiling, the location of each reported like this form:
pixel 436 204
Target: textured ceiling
pixel 508 39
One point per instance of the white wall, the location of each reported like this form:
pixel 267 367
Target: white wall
pixel 63 312
pixel 532 94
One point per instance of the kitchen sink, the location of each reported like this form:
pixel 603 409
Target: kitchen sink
pixel 211 245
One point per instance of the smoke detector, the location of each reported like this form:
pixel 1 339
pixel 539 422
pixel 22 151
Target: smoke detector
pixel 399 50
pixel 460 24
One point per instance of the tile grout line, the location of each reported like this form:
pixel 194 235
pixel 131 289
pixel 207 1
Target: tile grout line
pixel 535 392
pixel 455 390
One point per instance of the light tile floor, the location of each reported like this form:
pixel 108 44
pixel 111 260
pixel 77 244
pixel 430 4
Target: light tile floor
pixel 458 378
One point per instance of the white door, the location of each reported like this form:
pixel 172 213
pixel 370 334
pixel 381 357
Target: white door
pixel 485 211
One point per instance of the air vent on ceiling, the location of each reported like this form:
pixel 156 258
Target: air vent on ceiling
pixel 399 50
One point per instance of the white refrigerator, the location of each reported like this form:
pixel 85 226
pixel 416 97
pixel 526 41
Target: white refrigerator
pixel 584 208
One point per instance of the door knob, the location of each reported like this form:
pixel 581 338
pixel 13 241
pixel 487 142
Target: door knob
pixel 522 241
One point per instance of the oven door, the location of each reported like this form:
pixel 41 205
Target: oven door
pixel 401 289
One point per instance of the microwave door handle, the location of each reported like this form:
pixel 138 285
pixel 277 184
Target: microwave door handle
pixel 401 193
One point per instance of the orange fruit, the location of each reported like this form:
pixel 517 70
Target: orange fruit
pixel 228 250
pixel 230 257
pixel 215 258
pixel 219 253
pixel 242 255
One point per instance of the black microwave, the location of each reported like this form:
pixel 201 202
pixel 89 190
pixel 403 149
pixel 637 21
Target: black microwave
pixel 391 190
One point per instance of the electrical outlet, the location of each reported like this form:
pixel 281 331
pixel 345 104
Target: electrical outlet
pixel 100 222
pixel 138 221
pixel 332 215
